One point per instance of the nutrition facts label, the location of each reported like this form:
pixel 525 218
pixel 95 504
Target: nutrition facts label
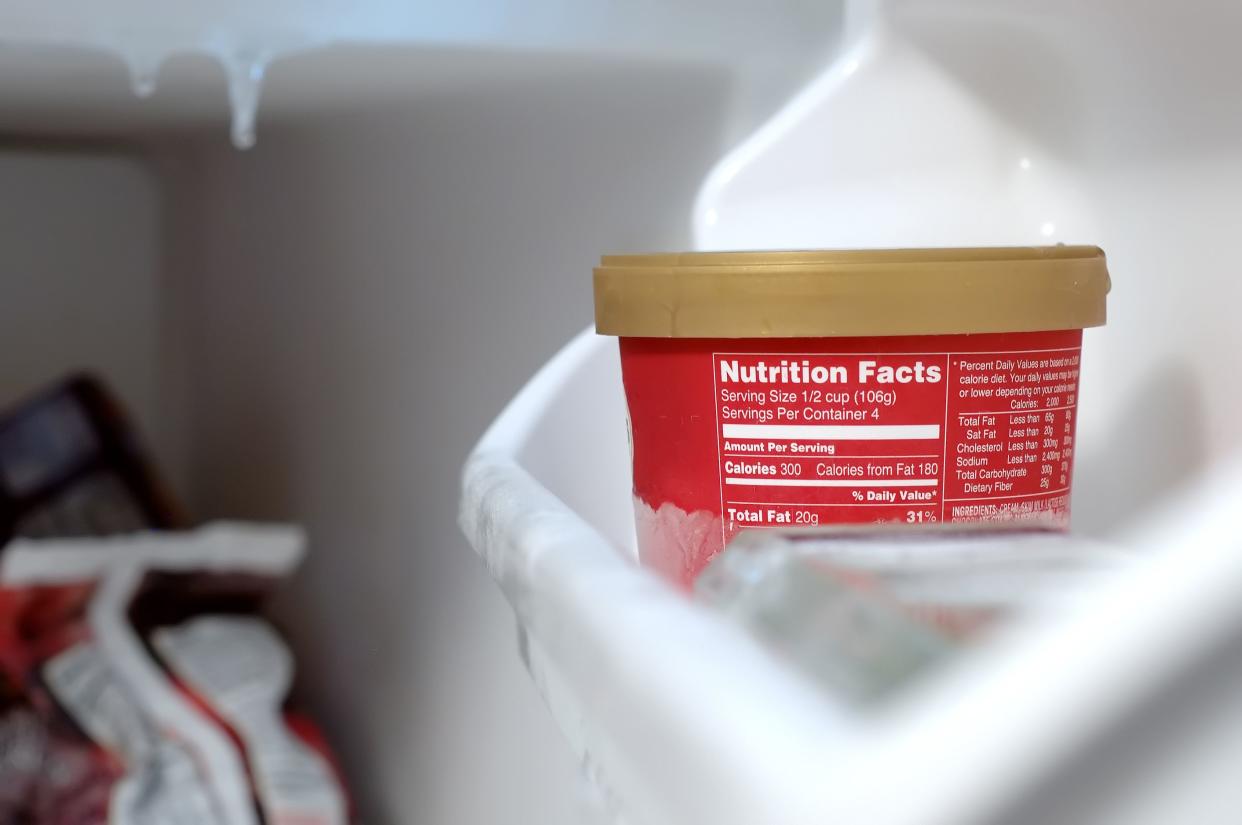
pixel 807 439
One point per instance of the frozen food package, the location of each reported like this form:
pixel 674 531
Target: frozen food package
pixel 50 772
pixel 125 739
pixel 82 740
pixel 794 388
pixel 239 668
pixel 866 611
pixel 71 464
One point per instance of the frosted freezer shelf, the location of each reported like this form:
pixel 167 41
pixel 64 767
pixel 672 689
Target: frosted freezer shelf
pixel 686 720
pixel 620 658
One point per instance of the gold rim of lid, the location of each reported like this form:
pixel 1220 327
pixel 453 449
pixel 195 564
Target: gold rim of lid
pixel 837 293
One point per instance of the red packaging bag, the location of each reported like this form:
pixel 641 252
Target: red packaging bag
pixel 146 750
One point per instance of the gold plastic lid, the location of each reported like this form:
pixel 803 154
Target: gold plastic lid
pixel 834 293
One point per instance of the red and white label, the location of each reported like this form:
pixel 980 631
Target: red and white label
pixel 815 438
pixel 916 430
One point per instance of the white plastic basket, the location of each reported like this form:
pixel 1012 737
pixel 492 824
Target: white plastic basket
pixel 686 720
pixel 639 678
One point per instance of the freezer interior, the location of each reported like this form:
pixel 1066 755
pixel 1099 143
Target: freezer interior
pixel 318 328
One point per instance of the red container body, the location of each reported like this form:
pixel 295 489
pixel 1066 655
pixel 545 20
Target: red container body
pixel 753 433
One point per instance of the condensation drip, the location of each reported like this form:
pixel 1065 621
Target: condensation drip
pixel 144 68
pixel 244 72
pixel 143 83
pixel 144 51
pixel 245 76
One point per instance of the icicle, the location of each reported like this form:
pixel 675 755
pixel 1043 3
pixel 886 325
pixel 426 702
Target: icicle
pixel 245 76
pixel 143 82
pixel 144 68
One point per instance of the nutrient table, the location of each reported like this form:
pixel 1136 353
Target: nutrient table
pixel 821 438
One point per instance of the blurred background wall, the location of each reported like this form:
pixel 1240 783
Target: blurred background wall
pixel 318 329
pixel 362 293
pixel 80 249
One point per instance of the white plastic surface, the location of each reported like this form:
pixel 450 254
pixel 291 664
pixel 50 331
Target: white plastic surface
pixel 947 123
pixel 638 678
pixel 685 721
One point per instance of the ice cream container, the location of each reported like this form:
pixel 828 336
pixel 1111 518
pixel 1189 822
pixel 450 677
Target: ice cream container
pixel 803 388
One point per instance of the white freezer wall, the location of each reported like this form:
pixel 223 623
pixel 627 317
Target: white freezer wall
pixel 361 294
pixel 82 282
pixel 1040 121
